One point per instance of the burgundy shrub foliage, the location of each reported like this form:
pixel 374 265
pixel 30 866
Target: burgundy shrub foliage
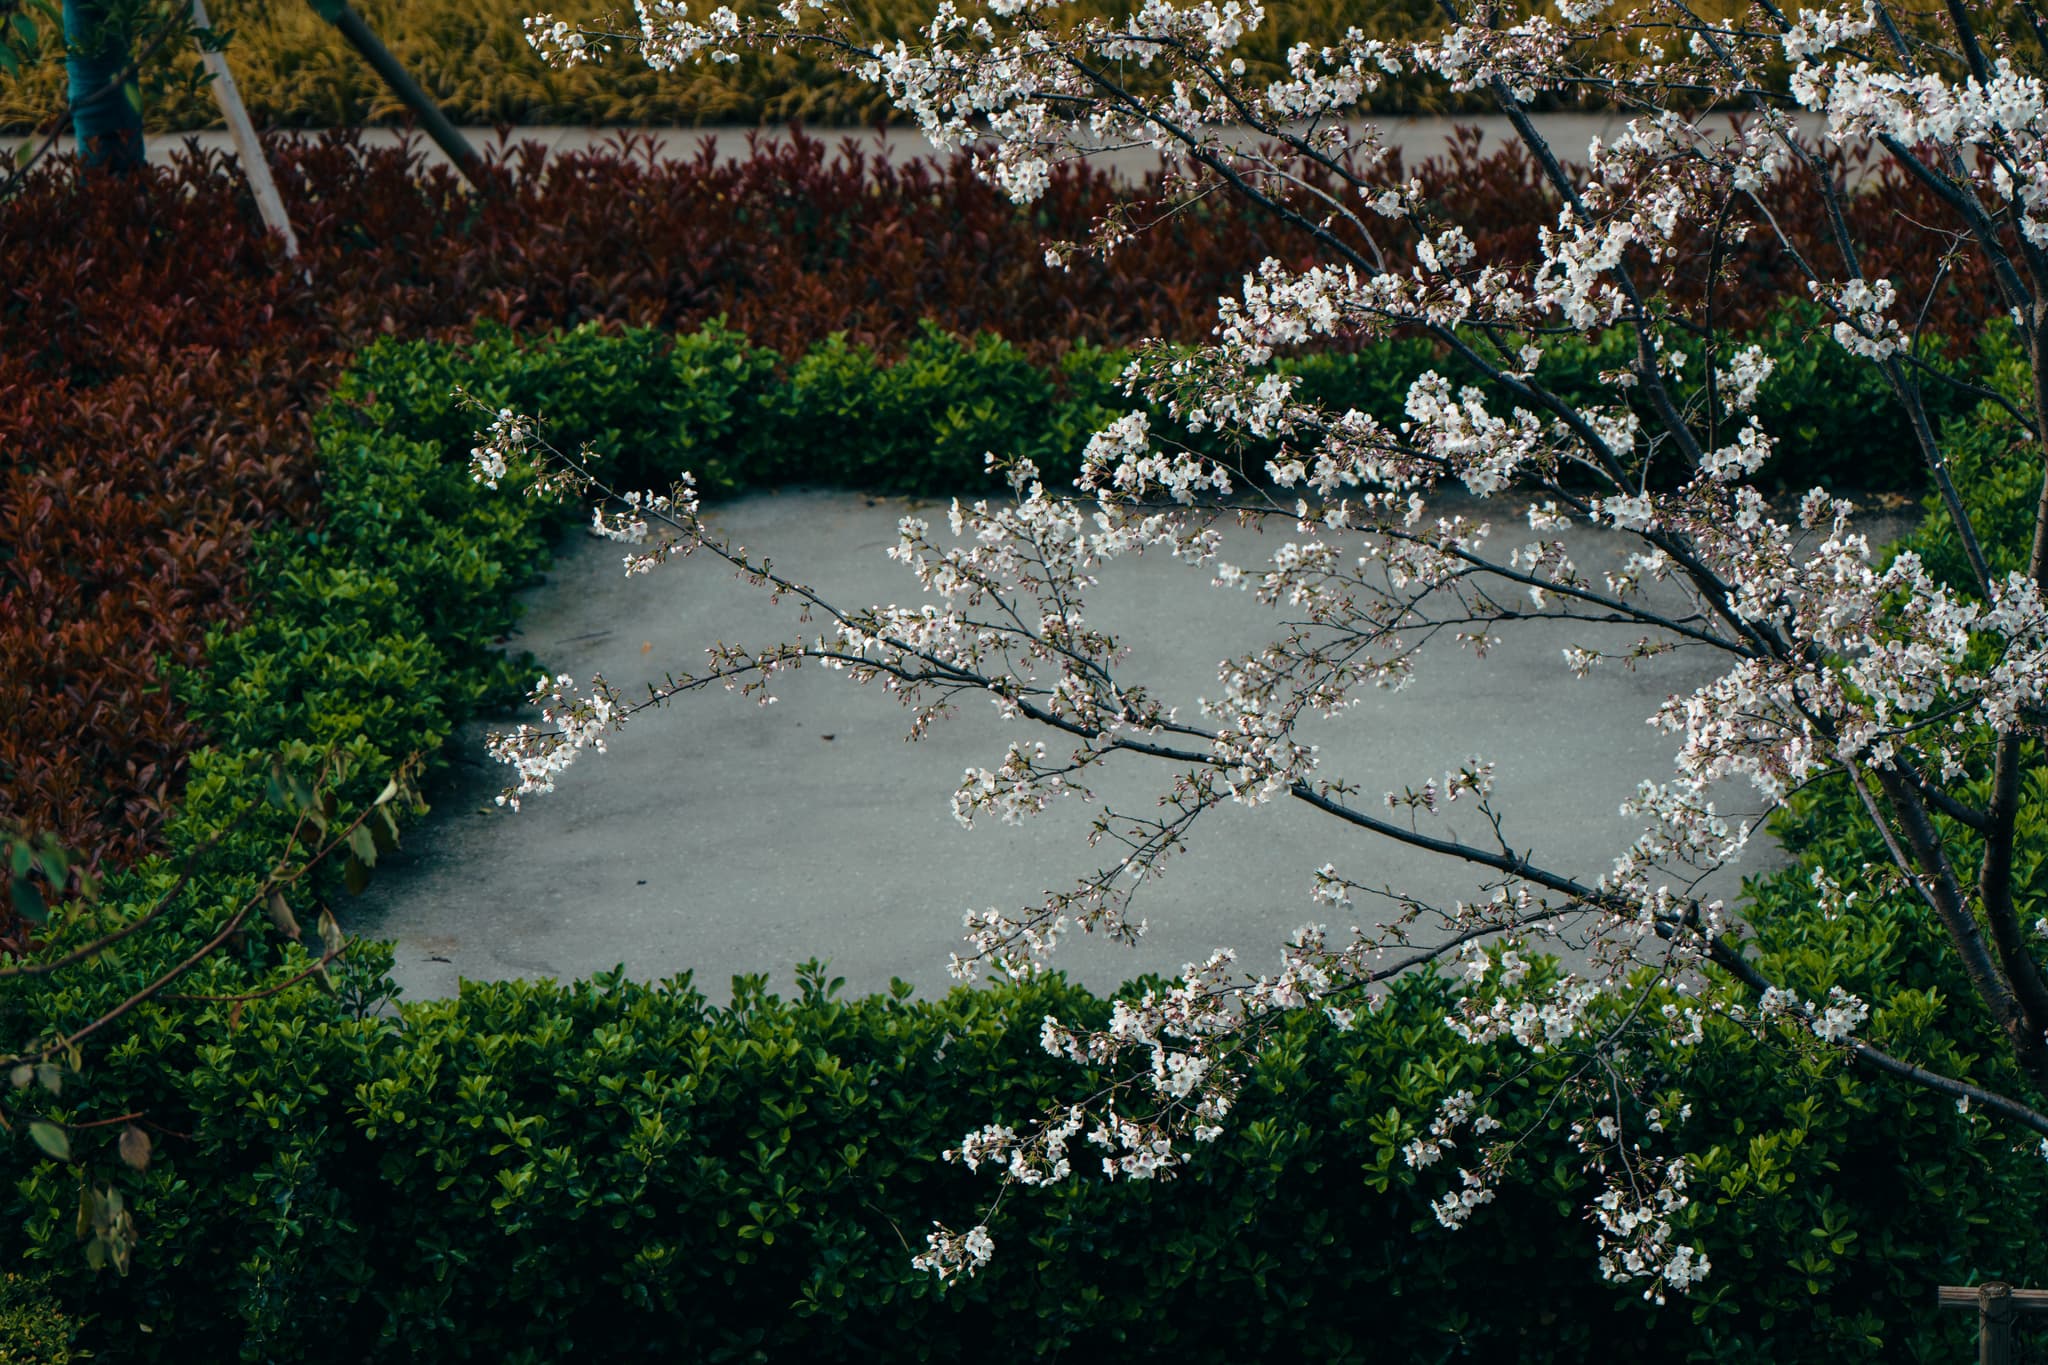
pixel 159 358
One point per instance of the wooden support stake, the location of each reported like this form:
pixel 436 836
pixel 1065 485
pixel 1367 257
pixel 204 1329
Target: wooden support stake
pixel 445 134
pixel 247 145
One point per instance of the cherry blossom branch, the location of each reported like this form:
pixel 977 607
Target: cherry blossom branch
pixel 1832 663
pixel 1877 1059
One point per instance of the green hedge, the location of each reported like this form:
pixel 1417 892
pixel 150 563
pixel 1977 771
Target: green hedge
pixel 615 1171
pixel 33 1329
pixel 741 416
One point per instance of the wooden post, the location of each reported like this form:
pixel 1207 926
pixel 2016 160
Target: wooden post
pixel 1999 1306
pixel 247 145
pixel 1994 1324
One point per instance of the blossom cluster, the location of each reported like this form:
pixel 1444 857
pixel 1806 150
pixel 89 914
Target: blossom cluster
pixel 570 722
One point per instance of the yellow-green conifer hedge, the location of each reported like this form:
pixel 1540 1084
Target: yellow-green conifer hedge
pixel 293 70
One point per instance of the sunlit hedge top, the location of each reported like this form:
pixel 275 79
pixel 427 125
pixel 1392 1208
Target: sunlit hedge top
pixel 471 56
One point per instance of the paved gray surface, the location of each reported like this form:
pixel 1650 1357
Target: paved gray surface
pixel 1416 138
pixel 723 837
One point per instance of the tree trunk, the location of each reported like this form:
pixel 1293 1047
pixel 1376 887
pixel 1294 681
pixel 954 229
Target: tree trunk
pixel 105 114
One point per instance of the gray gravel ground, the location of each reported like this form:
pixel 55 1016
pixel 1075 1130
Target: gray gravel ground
pixel 723 837
pixel 1415 138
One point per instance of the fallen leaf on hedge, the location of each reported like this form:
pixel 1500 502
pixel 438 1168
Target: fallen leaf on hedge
pixel 134 1147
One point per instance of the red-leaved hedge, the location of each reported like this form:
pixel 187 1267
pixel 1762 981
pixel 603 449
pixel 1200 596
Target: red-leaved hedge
pixel 158 358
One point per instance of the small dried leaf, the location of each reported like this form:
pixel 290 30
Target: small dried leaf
pixel 363 844
pixel 281 915
pixel 134 1147
pixel 331 940
pixel 384 828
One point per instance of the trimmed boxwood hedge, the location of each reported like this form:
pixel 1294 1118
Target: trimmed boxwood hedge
pixel 612 1170
pixel 739 416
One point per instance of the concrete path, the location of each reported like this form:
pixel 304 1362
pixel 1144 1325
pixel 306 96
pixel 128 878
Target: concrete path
pixel 1416 138
pixel 722 837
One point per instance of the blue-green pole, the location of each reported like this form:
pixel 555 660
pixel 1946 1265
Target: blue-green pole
pixel 106 120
